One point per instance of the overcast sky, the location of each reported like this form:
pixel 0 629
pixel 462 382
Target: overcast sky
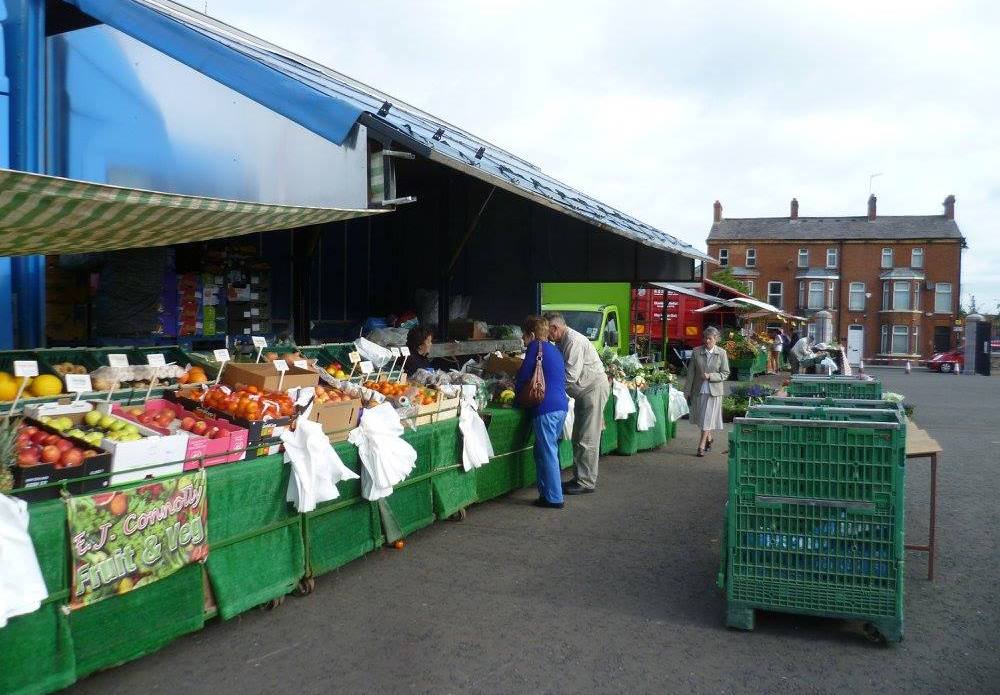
pixel 660 108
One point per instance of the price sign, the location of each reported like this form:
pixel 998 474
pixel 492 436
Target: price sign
pixel 156 359
pixel 354 357
pixel 221 355
pixel 259 341
pixel 78 383
pixel 394 351
pixel 301 364
pixel 117 360
pixel 367 367
pixel 404 351
pixel 280 365
pixel 25 368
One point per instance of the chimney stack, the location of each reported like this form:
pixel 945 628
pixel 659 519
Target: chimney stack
pixel 717 208
pixel 795 209
pixel 871 207
pixel 949 207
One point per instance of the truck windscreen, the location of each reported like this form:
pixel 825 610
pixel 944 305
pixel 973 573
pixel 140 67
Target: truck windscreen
pixel 586 322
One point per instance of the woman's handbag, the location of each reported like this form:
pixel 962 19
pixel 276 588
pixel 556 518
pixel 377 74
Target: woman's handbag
pixel 533 392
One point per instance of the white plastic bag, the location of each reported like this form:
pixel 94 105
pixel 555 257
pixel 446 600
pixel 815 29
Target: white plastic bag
pixel 22 588
pixel 376 354
pixel 567 432
pixel 828 365
pixel 477 449
pixel 646 419
pixel 316 467
pixel 386 458
pixel 624 406
pixel 677 405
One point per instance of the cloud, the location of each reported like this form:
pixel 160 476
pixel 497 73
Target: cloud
pixel 660 108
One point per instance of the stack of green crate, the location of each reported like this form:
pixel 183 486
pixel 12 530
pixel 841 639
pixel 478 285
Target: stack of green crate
pixel 804 401
pixel 854 387
pixel 815 515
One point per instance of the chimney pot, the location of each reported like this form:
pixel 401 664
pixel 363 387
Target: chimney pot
pixel 949 207
pixel 717 210
pixel 795 209
pixel 871 207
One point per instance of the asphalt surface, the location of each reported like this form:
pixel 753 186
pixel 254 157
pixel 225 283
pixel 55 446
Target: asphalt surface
pixel 616 593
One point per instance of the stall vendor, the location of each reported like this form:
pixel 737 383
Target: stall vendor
pixel 419 341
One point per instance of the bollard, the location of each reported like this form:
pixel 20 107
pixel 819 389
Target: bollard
pixel 957 370
pixel 861 366
pixel 906 368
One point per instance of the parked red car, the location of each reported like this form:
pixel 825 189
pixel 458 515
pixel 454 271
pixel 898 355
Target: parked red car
pixel 947 361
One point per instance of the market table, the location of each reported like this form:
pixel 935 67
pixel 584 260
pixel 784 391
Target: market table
pixel 919 444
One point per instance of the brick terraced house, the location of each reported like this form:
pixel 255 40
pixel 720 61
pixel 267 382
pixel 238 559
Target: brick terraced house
pixel 890 282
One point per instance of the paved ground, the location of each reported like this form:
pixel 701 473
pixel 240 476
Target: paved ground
pixel 616 594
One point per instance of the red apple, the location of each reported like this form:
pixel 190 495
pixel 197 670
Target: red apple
pixel 164 422
pixel 166 414
pixel 136 412
pixel 187 423
pixel 51 454
pixel 71 457
pixel 23 438
pixel 27 457
pixel 29 430
pixel 39 436
pixel 89 453
pixel 200 427
pixel 64 445
pixel 51 439
pixel 212 432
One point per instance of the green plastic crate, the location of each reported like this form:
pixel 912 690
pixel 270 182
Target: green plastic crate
pixel 815 520
pixel 834 387
pixel 498 477
pixel 803 401
pixel 171 353
pixel 770 411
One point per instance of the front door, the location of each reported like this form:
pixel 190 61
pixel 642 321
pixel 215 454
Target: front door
pixel 942 338
pixel 855 343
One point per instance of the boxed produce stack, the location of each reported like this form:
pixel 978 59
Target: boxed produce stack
pixel 248 292
pixel 66 303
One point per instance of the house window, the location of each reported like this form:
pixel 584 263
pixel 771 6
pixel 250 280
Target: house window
pixel 803 258
pixel 749 284
pixel 815 294
pixel 856 300
pixel 831 296
pixel 885 340
pixel 942 298
pixel 900 340
pixel 917 259
pixel 774 292
pixel 901 296
pixel 751 258
pixel 724 257
pixel 886 296
pixel 831 258
pixel 916 342
pixel 886 258
pixel 811 332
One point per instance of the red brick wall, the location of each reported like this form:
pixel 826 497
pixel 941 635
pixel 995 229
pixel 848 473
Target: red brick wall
pixel 857 262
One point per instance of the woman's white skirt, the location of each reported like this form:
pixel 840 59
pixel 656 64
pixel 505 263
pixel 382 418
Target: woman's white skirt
pixel 706 412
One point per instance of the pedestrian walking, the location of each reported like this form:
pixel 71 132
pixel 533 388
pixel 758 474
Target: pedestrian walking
pixel 706 375
pixel 547 417
pixel 587 384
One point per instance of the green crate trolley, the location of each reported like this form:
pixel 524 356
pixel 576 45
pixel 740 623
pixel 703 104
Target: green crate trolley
pixel 836 387
pixel 814 522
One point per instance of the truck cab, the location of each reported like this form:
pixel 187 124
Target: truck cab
pixel 600 323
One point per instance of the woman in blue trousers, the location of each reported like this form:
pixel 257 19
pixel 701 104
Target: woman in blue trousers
pixel 547 417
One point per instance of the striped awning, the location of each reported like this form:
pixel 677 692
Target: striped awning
pixel 50 215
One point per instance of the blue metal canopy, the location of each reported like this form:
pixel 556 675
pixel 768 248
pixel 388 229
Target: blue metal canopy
pixel 330 103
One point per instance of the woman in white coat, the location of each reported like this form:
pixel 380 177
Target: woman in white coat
pixel 706 375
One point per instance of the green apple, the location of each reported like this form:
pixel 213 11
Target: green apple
pixel 106 422
pixel 59 424
pixel 130 430
pixel 131 437
pixel 45 419
pixel 92 418
pixel 117 425
pixel 75 432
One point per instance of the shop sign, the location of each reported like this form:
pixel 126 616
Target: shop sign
pixel 123 540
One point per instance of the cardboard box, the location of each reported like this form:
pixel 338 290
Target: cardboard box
pixel 45 473
pixel 508 366
pixel 224 449
pixel 337 419
pixel 444 409
pixel 468 330
pixel 265 376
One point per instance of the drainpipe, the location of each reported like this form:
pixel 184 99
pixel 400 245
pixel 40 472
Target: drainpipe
pixel 24 63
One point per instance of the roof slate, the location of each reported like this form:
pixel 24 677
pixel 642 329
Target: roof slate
pixel 835 228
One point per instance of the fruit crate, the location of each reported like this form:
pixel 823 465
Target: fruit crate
pixel 769 410
pixel 815 521
pixel 833 387
pixel 85 357
pixel 171 353
pixel 803 401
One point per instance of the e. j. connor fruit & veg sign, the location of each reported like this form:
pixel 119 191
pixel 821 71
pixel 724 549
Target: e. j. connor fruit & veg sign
pixel 122 540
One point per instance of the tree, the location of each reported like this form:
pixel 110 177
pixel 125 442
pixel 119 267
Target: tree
pixel 725 277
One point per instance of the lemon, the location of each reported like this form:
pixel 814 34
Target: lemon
pixel 8 389
pixel 46 385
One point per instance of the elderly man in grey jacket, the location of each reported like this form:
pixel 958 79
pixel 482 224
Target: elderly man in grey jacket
pixel 587 384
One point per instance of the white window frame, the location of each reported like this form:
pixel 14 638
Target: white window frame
pixel 780 293
pixel 915 254
pixel 749 284
pixel 939 295
pixel 751 258
pixel 803 255
pixel 886 252
pixel 724 258
pixel 831 295
pixel 916 340
pixel 816 287
pixel 885 345
pixel 852 291
pixel 834 254
pixel 897 285
pixel 901 332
